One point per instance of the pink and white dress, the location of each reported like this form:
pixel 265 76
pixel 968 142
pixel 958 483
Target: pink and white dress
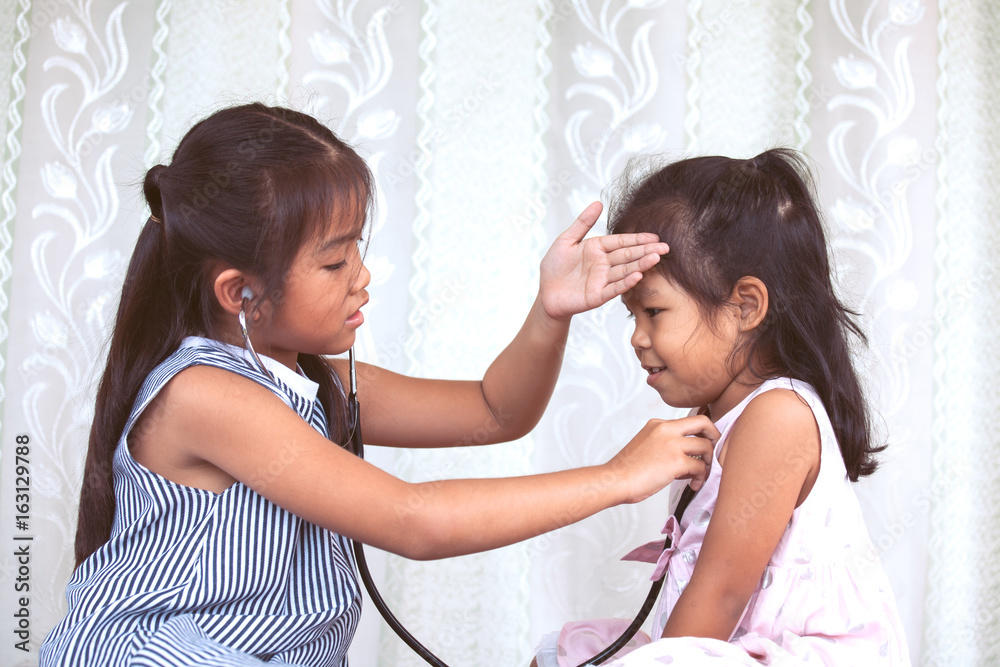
pixel 823 598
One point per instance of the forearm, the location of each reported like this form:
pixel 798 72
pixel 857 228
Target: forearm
pixel 457 517
pixel 518 384
pixel 705 611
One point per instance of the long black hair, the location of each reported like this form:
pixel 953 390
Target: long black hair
pixel 247 186
pixel 725 219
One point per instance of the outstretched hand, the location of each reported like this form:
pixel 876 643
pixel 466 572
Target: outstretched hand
pixel 578 274
pixel 665 450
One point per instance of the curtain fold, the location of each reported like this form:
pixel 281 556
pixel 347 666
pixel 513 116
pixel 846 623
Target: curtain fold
pixel 746 64
pixel 489 127
pixel 481 115
pixel 873 141
pixel 962 601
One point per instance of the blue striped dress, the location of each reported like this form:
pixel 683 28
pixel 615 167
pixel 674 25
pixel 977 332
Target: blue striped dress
pixel 192 577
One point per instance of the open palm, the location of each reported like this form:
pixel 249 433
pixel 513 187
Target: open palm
pixel 578 274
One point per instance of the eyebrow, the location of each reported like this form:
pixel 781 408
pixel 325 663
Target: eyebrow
pixel 640 292
pixel 340 239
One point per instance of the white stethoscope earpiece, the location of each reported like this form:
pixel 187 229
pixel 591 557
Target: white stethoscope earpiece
pixel 247 294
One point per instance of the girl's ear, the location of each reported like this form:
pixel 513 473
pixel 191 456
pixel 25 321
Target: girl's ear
pixel 750 297
pixel 228 285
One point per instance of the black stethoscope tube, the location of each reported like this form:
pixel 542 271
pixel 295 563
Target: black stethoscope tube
pixel 357 447
pixel 654 592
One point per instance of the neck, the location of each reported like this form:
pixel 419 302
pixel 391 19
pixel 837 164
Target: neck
pixel 732 395
pixel 288 358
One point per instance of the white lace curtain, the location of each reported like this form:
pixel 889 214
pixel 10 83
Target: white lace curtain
pixel 490 125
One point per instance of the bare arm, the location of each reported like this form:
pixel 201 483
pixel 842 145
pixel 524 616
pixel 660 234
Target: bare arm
pixel 576 274
pixel 771 453
pixel 241 428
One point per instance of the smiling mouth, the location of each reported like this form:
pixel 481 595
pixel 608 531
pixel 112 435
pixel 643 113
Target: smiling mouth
pixel 653 370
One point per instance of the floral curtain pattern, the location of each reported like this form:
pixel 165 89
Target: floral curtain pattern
pixel 489 126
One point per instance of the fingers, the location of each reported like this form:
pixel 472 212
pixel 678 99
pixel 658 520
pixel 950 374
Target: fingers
pixel 696 447
pixel 619 287
pixel 615 241
pixel 584 222
pixel 696 470
pixel 640 265
pixel 698 425
pixel 696 444
pixel 625 276
pixel 637 252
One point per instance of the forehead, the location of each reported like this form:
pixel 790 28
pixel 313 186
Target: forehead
pixel 341 230
pixel 340 238
pixel 651 286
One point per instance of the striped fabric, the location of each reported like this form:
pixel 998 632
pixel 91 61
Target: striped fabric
pixel 191 577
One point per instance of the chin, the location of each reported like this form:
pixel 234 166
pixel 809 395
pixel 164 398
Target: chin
pixel 686 405
pixel 680 399
pixel 331 348
pixel 341 345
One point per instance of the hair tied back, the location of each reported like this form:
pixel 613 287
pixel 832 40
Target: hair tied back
pixel 153 194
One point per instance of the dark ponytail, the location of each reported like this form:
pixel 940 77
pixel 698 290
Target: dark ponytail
pixel 247 187
pixel 725 219
pixel 141 338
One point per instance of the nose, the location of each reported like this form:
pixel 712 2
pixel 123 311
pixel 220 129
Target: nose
pixel 640 338
pixel 363 278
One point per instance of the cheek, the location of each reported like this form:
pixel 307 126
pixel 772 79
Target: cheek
pixel 679 339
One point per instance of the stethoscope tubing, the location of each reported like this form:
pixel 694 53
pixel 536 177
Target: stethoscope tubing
pixel 357 447
pixel 650 601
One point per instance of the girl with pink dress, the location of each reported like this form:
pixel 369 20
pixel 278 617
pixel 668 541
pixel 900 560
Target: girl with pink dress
pixel 771 563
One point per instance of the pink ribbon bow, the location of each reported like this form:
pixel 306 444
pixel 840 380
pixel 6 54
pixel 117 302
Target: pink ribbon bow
pixel 653 552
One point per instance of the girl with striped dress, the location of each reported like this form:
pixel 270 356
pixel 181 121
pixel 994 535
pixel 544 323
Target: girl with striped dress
pixel 217 500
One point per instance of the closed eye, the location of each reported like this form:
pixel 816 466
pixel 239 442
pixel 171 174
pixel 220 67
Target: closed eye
pixel 648 312
pixel 336 267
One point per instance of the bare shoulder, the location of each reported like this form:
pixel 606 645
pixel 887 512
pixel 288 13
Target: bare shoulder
pixel 220 428
pixel 196 383
pixel 784 405
pixel 203 395
pixel 780 419
pixel 199 410
pixel 776 429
